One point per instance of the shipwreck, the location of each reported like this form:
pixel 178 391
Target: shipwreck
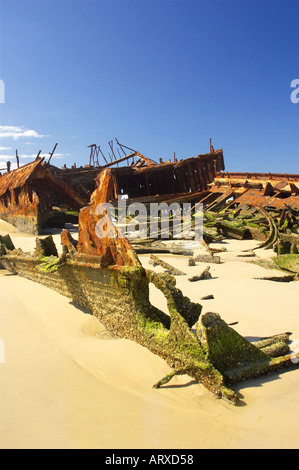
pixel 256 205
pixel 104 274
pixel 31 198
pixel 39 194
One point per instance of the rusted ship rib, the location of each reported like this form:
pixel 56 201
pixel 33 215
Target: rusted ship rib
pixel 262 206
pixel 104 275
pixel 182 181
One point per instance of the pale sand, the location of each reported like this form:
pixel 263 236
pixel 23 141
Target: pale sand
pixel 62 386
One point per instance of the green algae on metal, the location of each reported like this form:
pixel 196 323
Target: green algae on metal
pixel 200 345
pixel 288 262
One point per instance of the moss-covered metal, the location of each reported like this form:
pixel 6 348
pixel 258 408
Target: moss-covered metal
pixel 202 346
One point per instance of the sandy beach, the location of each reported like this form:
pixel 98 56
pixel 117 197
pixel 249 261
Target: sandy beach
pixel 67 384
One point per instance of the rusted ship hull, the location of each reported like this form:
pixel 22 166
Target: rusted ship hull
pixel 119 298
pixel 112 295
pixel 31 196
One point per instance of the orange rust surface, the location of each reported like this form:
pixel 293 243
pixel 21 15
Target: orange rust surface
pixel 293 177
pixel 105 187
pixel 21 209
pixel 28 194
pixel 68 241
pixel 17 178
pixel 37 176
pixel 167 180
pixel 258 189
pixel 255 198
pixel 97 234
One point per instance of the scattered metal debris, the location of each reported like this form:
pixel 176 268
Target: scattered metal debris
pixel 204 275
pixel 170 269
pixel 247 211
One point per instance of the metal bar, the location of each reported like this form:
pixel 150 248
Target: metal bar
pixel 51 154
pixel 111 147
pixel 119 160
pixel 120 146
pixel 103 155
pixel 97 156
pixel 148 160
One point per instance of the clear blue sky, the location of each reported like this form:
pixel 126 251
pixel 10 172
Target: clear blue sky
pixel 162 76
